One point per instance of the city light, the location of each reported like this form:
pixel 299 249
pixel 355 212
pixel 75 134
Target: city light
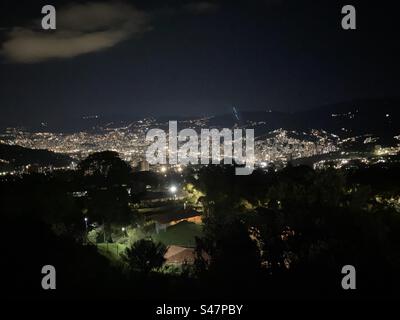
pixel 173 189
pixel 263 164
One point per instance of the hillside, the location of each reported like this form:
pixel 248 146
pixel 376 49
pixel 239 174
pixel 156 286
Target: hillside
pixel 20 156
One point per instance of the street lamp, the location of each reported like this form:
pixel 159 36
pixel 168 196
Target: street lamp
pixel 173 189
pixel 123 229
pixel 86 227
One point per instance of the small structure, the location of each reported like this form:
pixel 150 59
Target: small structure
pixel 177 255
pixel 143 166
pixel 167 219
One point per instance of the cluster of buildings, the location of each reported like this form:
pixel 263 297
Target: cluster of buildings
pixel 278 147
pixel 281 146
pixel 129 141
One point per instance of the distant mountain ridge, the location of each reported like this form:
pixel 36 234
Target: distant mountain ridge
pixel 380 116
pixel 14 156
pixel 367 116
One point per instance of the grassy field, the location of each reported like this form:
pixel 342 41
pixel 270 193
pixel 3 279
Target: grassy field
pixel 111 250
pixel 181 234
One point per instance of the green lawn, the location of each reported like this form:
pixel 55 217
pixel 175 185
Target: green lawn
pixel 181 234
pixel 111 250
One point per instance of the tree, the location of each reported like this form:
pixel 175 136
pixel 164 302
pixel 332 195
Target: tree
pixel 228 260
pixel 145 255
pixel 105 169
pixel 109 205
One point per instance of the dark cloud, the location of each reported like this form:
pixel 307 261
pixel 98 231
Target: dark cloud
pixel 202 7
pixel 81 29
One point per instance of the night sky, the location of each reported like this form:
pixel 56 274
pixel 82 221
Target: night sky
pixel 150 58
